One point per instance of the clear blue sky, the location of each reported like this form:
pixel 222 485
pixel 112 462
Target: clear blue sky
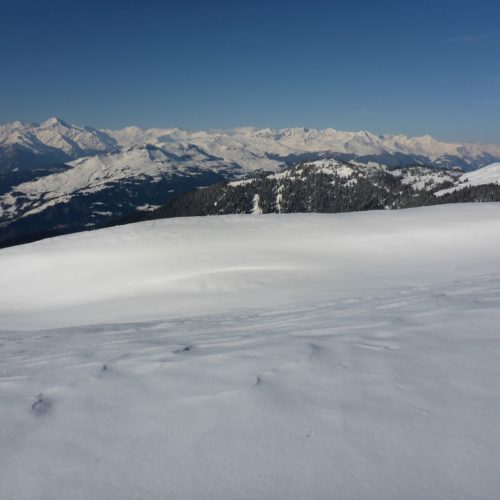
pixel 411 67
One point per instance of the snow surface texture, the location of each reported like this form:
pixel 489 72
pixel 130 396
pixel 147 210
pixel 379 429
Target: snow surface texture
pixel 243 357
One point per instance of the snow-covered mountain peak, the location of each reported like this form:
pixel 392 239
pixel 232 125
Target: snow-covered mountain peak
pixel 426 138
pixel 251 148
pixel 54 121
pixel 31 145
pixel 16 125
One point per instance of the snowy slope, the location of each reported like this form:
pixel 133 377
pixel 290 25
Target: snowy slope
pixel 418 177
pixel 321 186
pixel 102 189
pixel 299 356
pixel 486 175
pixel 97 173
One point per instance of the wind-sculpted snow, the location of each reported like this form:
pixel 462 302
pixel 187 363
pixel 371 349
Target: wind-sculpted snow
pixel 280 356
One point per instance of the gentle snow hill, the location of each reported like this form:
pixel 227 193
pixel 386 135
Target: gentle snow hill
pixel 279 356
pixel 486 175
pixel 172 265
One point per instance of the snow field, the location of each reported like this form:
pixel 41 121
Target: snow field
pixel 242 357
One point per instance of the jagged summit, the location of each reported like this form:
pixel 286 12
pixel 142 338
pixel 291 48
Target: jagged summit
pixel 54 121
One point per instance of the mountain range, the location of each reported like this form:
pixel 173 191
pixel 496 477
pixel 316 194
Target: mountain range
pixel 56 177
pixel 31 145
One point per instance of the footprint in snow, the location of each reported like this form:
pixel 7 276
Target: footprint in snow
pixel 41 405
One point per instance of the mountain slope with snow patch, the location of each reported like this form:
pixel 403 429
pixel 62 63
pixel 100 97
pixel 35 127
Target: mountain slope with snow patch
pixel 329 186
pixel 93 174
pixel 486 175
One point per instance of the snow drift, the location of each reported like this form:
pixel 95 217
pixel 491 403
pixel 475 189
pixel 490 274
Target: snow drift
pixel 297 356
